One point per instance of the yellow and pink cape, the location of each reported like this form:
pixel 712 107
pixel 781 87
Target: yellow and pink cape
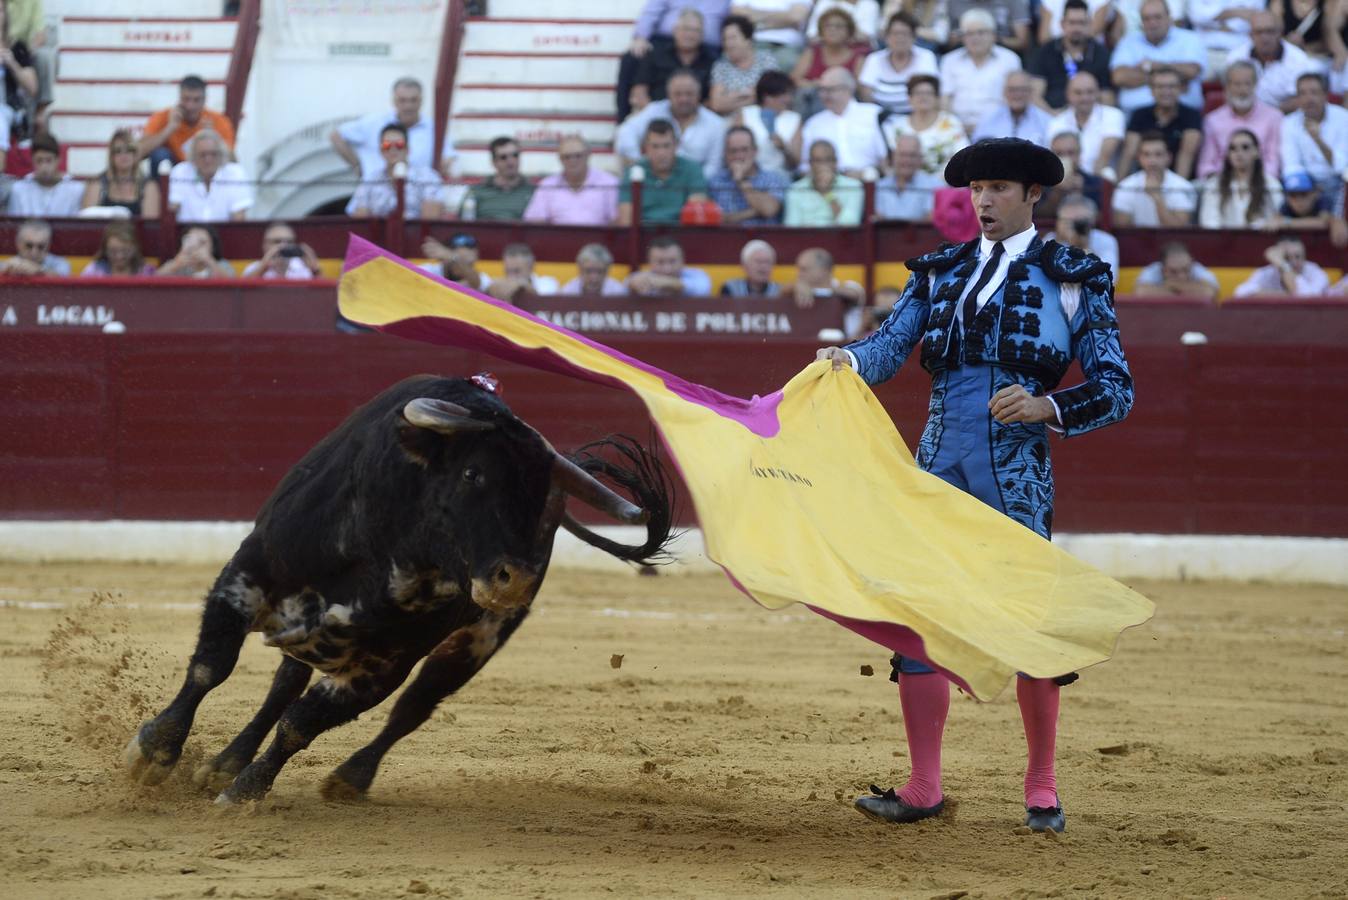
pixel 809 495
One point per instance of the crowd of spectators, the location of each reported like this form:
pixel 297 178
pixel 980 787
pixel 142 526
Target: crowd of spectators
pixel 751 113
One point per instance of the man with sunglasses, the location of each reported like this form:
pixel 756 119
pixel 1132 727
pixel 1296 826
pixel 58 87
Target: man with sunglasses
pixel 377 196
pixel 505 195
pixel 32 242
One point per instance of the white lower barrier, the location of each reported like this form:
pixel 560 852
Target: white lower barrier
pixel 1283 560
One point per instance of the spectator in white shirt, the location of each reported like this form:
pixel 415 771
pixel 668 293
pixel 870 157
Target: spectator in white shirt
pixel 206 188
pixel 885 73
pixel 1100 127
pixel 284 257
pixel 377 196
pixel 1315 137
pixel 46 192
pixel 1222 24
pixel 1288 272
pixel 852 127
pixel 1154 196
pixel 1242 195
pixel 972 77
pixel 593 263
pixel 1280 64
pixel 358 141
pixel 1018 116
pixel 700 131
pixel 520 277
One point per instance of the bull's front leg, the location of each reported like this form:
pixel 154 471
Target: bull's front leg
pixel 448 667
pixel 289 682
pixel 225 621
pixel 329 703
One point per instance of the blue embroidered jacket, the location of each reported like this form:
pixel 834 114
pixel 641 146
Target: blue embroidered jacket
pixel 1021 329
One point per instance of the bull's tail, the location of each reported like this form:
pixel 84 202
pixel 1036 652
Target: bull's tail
pixel 638 472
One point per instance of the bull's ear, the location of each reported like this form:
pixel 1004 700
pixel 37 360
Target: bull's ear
pixel 443 416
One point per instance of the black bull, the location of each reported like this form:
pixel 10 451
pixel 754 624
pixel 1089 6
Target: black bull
pixel 420 528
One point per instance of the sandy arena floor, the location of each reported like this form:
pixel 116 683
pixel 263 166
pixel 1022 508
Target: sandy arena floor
pixel 1207 760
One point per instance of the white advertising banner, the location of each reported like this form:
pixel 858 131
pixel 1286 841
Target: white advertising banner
pixel 359 27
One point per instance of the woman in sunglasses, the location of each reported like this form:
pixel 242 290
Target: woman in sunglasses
pixel 121 183
pixel 1240 195
pixel 376 196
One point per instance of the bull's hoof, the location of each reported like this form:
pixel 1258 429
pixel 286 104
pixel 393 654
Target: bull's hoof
pixel 147 768
pixel 336 789
pixel 233 795
pixel 215 775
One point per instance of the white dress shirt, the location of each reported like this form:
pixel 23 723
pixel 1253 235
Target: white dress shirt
pixel 702 141
pixel 1278 79
pixel 975 90
pixel 230 191
pixel 1311 281
pixel 1300 153
pixel 31 200
pixel 1104 122
pixel 855 135
pixel 1069 293
pixel 1131 197
pixel 363 136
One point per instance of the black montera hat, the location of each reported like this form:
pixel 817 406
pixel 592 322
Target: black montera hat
pixel 1008 159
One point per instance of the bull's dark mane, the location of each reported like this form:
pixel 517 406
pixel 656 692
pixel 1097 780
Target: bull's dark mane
pixel 647 481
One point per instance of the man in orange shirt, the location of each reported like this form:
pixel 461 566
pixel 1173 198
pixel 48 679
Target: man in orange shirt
pixel 167 131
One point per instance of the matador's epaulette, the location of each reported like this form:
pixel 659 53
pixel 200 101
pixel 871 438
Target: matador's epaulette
pixel 1064 262
pixel 942 258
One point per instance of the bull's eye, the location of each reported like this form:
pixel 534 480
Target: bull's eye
pixel 473 476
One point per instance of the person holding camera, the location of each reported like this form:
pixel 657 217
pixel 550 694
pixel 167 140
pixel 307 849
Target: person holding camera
pixel 283 256
pixel 1077 215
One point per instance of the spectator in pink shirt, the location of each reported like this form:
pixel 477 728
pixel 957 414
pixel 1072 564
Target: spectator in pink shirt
pixel 1242 110
pixel 579 194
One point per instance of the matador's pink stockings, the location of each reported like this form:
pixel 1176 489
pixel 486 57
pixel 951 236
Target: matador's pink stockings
pixel 926 701
pixel 1038 698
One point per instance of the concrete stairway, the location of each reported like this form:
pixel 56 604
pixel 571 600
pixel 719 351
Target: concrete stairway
pixel 115 71
pixel 535 70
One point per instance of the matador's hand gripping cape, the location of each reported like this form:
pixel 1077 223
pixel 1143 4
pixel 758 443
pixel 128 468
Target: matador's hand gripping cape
pixel 809 495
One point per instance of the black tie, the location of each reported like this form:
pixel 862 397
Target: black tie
pixel 971 300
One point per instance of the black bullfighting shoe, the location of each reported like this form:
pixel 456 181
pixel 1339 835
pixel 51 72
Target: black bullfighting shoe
pixel 887 806
pixel 1046 818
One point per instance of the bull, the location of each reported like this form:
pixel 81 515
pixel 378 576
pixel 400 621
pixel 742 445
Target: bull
pixel 420 528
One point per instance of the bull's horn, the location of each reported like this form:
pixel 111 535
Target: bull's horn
pixel 443 416
pixel 586 488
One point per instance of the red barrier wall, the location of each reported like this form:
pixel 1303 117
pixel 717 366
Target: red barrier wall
pixel 1242 435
